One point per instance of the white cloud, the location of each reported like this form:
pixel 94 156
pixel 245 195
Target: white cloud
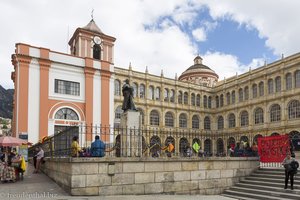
pixel 163 46
pixel 210 26
pixel 46 24
pixel 199 34
pixel 226 65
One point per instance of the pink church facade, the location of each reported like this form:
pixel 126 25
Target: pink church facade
pixel 54 91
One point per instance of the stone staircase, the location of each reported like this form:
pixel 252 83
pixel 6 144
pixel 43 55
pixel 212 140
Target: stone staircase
pixel 264 184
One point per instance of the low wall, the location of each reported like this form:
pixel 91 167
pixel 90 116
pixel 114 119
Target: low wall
pixel 128 176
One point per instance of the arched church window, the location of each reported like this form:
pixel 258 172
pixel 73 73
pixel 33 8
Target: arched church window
pixel 220 147
pixel 275 113
pixel 118 112
pixel 195 122
pixel 169 119
pixel 154 118
pixel 182 120
pixel 270 86
pixel 198 100
pixel 117 87
pixel 97 51
pixel 231 120
pixel 208 147
pixel 254 91
pixel 67 114
pixel 135 89
pixel 233 97
pixel 209 102
pixel 142 91
pixel 258 116
pixel 294 109
pixel 278 84
pixel 244 118
pixel 288 81
pixel 220 123
pixel 206 123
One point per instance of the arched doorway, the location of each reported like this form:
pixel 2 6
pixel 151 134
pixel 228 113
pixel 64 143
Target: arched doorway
pixel 207 147
pixel 255 139
pixel 220 147
pixel 274 134
pixel 65 131
pixel 295 140
pixel 155 146
pixel 183 145
pixel 231 142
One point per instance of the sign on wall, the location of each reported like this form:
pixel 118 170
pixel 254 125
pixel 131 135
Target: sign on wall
pixel 273 148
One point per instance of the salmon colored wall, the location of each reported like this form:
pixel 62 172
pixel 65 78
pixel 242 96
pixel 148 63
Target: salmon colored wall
pixel 15 80
pixel 45 64
pixel 105 101
pixel 23 73
pixel 89 72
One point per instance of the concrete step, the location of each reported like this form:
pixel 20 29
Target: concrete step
pixel 272 176
pixel 275 172
pixel 265 179
pixel 270 193
pixel 270 188
pixel 248 196
pixel 271 183
pixel 239 197
pixel 272 169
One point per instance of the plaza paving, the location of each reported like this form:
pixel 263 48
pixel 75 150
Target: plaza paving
pixel 39 186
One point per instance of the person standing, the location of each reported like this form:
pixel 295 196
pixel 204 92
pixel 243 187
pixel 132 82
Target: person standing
pixel 75 148
pixel 39 159
pixel 98 147
pixel 36 150
pixel 289 172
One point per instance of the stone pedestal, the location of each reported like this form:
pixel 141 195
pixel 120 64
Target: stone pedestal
pixel 131 137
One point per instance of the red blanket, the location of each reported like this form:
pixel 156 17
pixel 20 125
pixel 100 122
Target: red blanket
pixel 273 148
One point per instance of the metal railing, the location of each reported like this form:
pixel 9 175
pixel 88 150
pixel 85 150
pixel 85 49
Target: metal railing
pixel 130 142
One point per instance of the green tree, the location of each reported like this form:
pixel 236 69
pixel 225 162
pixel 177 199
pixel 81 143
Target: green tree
pixel 4 126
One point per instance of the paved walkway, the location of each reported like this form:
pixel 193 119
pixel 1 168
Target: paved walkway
pixel 39 186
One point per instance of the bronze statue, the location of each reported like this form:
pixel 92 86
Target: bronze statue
pixel 127 91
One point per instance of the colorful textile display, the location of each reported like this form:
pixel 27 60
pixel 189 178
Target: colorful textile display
pixel 273 148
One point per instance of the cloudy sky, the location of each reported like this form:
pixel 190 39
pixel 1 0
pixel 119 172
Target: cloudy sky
pixel 229 35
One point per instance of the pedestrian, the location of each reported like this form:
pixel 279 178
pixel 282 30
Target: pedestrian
pixel 289 171
pixel 36 150
pixel 98 147
pixel 39 159
pixel 75 148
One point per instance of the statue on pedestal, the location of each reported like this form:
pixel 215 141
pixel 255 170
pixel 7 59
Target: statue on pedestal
pixel 127 92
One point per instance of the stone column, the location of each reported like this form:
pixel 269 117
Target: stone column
pixel 131 137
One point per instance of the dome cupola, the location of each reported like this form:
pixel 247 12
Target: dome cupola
pixel 199 74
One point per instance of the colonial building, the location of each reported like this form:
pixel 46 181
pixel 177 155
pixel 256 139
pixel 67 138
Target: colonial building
pixel 55 90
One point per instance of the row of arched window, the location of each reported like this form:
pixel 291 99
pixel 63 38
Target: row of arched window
pixel 258 90
pixel 154 93
pixel 275 116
